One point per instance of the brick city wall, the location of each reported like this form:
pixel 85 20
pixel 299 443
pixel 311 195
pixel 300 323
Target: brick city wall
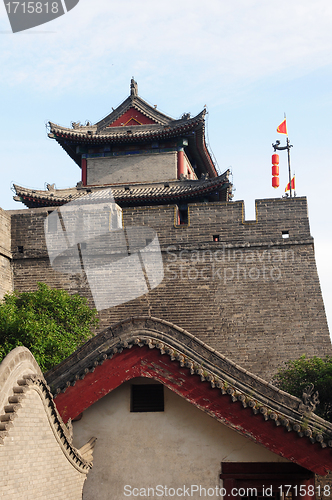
pixel 254 295
pixel 323 485
pixel 6 279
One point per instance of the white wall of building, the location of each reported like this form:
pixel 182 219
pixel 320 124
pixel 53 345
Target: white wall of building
pixel 177 447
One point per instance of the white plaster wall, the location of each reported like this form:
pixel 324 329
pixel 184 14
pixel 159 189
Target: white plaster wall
pixel 177 447
pixel 152 167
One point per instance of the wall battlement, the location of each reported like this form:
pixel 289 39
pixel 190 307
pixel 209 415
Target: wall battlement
pixel 6 278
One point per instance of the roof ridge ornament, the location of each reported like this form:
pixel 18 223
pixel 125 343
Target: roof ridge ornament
pixel 309 400
pixel 133 88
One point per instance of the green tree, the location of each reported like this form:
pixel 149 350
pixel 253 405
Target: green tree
pixel 300 373
pixel 49 322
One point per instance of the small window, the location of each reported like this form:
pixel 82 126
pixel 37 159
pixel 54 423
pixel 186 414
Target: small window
pixel 215 237
pixel 285 234
pixel 20 249
pixel 147 398
pixel 182 215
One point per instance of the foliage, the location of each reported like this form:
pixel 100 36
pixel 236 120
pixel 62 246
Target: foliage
pixel 303 371
pixel 49 322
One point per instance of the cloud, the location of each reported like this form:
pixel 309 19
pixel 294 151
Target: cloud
pixel 213 41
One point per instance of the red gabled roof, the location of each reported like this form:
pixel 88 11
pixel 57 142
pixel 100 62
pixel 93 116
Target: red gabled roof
pixel 157 349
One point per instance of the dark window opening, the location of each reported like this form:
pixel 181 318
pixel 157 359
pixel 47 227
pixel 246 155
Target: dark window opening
pixel 183 215
pixel 215 237
pixel 20 249
pixel 147 398
pixel 285 234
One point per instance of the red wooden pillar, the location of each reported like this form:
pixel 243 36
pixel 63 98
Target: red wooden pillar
pixel 181 163
pixel 83 165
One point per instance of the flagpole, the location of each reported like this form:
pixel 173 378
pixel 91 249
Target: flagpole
pixel 282 129
pixel 289 168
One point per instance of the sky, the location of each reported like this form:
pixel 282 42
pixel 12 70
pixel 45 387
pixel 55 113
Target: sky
pixel 248 61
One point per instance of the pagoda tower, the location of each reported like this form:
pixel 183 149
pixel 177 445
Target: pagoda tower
pixel 146 157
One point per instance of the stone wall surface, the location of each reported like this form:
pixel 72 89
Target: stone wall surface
pixel 323 486
pixel 37 460
pixel 253 294
pixel 6 279
pixel 32 463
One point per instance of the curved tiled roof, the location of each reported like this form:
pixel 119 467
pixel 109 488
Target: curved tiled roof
pixel 155 348
pixel 91 134
pixel 162 127
pixel 16 370
pixel 127 195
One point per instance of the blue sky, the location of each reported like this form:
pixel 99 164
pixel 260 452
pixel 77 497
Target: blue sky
pixel 249 61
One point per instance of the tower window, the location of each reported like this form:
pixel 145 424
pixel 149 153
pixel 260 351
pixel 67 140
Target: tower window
pixel 147 398
pixel 183 215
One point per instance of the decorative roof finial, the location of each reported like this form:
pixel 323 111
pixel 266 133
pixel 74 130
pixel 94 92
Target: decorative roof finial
pixel 309 400
pixel 133 87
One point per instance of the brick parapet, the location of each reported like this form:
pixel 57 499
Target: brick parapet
pixel 6 277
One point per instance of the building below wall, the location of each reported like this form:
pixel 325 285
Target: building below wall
pixel 169 411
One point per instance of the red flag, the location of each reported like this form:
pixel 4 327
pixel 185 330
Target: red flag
pixel 292 184
pixel 282 129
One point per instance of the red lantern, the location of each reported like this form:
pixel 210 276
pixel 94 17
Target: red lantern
pixel 275 170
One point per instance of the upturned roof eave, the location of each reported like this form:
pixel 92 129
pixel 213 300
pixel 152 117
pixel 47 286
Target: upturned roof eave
pixel 90 134
pixel 32 197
